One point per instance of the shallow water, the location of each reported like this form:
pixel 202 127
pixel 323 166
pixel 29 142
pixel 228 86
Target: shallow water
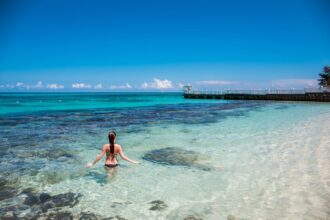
pixel 248 160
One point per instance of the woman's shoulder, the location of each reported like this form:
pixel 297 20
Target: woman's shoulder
pixel 108 145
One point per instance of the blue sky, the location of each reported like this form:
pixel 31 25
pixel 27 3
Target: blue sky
pixel 162 45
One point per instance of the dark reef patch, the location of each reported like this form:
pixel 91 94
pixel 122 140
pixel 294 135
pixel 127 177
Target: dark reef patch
pixel 175 157
pixel 8 188
pixel 231 217
pixel 172 156
pixel 65 215
pixel 66 199
pixel 157 205
pixel 192 217
pixel 88 216
pixel 41 205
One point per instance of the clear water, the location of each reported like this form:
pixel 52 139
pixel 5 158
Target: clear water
pixel 267 160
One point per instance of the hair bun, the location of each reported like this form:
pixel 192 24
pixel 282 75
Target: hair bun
pixel 112 132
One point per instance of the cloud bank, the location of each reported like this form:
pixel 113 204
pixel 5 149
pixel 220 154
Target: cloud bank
pixel 166 84
pixel 126 86
pixel 54 86
pixel 38 86
pixel 81 86
pixel 158 84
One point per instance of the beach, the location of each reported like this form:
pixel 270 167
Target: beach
pixel 247 159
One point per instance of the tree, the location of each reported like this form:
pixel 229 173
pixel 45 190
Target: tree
pixel 324 80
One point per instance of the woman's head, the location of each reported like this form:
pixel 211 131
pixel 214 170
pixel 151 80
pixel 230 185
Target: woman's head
pixel 112 136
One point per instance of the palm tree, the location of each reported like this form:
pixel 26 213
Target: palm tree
pixel 324 80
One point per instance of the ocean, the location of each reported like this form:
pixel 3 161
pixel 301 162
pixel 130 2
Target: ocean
pixel 200 159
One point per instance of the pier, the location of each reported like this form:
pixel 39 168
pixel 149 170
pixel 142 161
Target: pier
pixel 315 95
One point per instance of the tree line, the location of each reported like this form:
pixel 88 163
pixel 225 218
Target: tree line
pixel 324 80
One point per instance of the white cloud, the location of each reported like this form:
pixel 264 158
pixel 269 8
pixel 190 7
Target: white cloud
pixel 162 84
pixel 54 86
pixel 19 84
pixel 39 85
pixel 215 82
pixel 98 86
pixel 158 84
pixel 126 86
pixel 81 86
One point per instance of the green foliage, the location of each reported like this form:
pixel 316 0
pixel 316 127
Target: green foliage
pixel 324 80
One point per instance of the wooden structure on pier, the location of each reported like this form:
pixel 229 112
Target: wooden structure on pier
pixel 315 95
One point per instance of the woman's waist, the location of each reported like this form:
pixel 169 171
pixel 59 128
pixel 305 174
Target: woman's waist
pixel 111 162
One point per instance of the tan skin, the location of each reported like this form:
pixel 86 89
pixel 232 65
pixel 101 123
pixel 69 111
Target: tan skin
pixel 111 159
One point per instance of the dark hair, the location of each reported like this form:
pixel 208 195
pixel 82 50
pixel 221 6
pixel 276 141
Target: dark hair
pixel 111 136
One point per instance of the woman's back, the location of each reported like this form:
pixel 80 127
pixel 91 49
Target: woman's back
pixel 111 157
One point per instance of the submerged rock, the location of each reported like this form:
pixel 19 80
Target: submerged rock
pixel 175 157
pixel 66 199
pixel 44 197
pixel 158 205
pixel 8 216
pixel 32 197
pixel 50 154
pixel 192 217
pixel 231 217
pixel 7 190
pixel 39 203
pixel 118 217
pixel 88 216
pixel 172 156
pixel 31 200
pixel 60 216
pixel 115 204
pixel 16 212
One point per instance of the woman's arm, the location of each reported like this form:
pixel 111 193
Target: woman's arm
pixel 122 155
pixel 99 157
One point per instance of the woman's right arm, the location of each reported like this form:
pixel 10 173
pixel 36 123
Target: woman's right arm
pixel 122 155
pixel 99 157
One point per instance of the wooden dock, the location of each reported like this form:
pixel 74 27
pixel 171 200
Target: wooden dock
pixel 275 95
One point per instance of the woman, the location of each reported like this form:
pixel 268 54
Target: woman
pixel 111 151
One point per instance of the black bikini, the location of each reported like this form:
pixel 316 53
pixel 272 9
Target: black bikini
pixel 111 165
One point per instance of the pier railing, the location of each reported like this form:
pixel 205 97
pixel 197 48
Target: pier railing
pixel 256 91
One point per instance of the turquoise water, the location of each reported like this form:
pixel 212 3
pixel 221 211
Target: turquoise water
pixel 242 159
pixel 31 102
